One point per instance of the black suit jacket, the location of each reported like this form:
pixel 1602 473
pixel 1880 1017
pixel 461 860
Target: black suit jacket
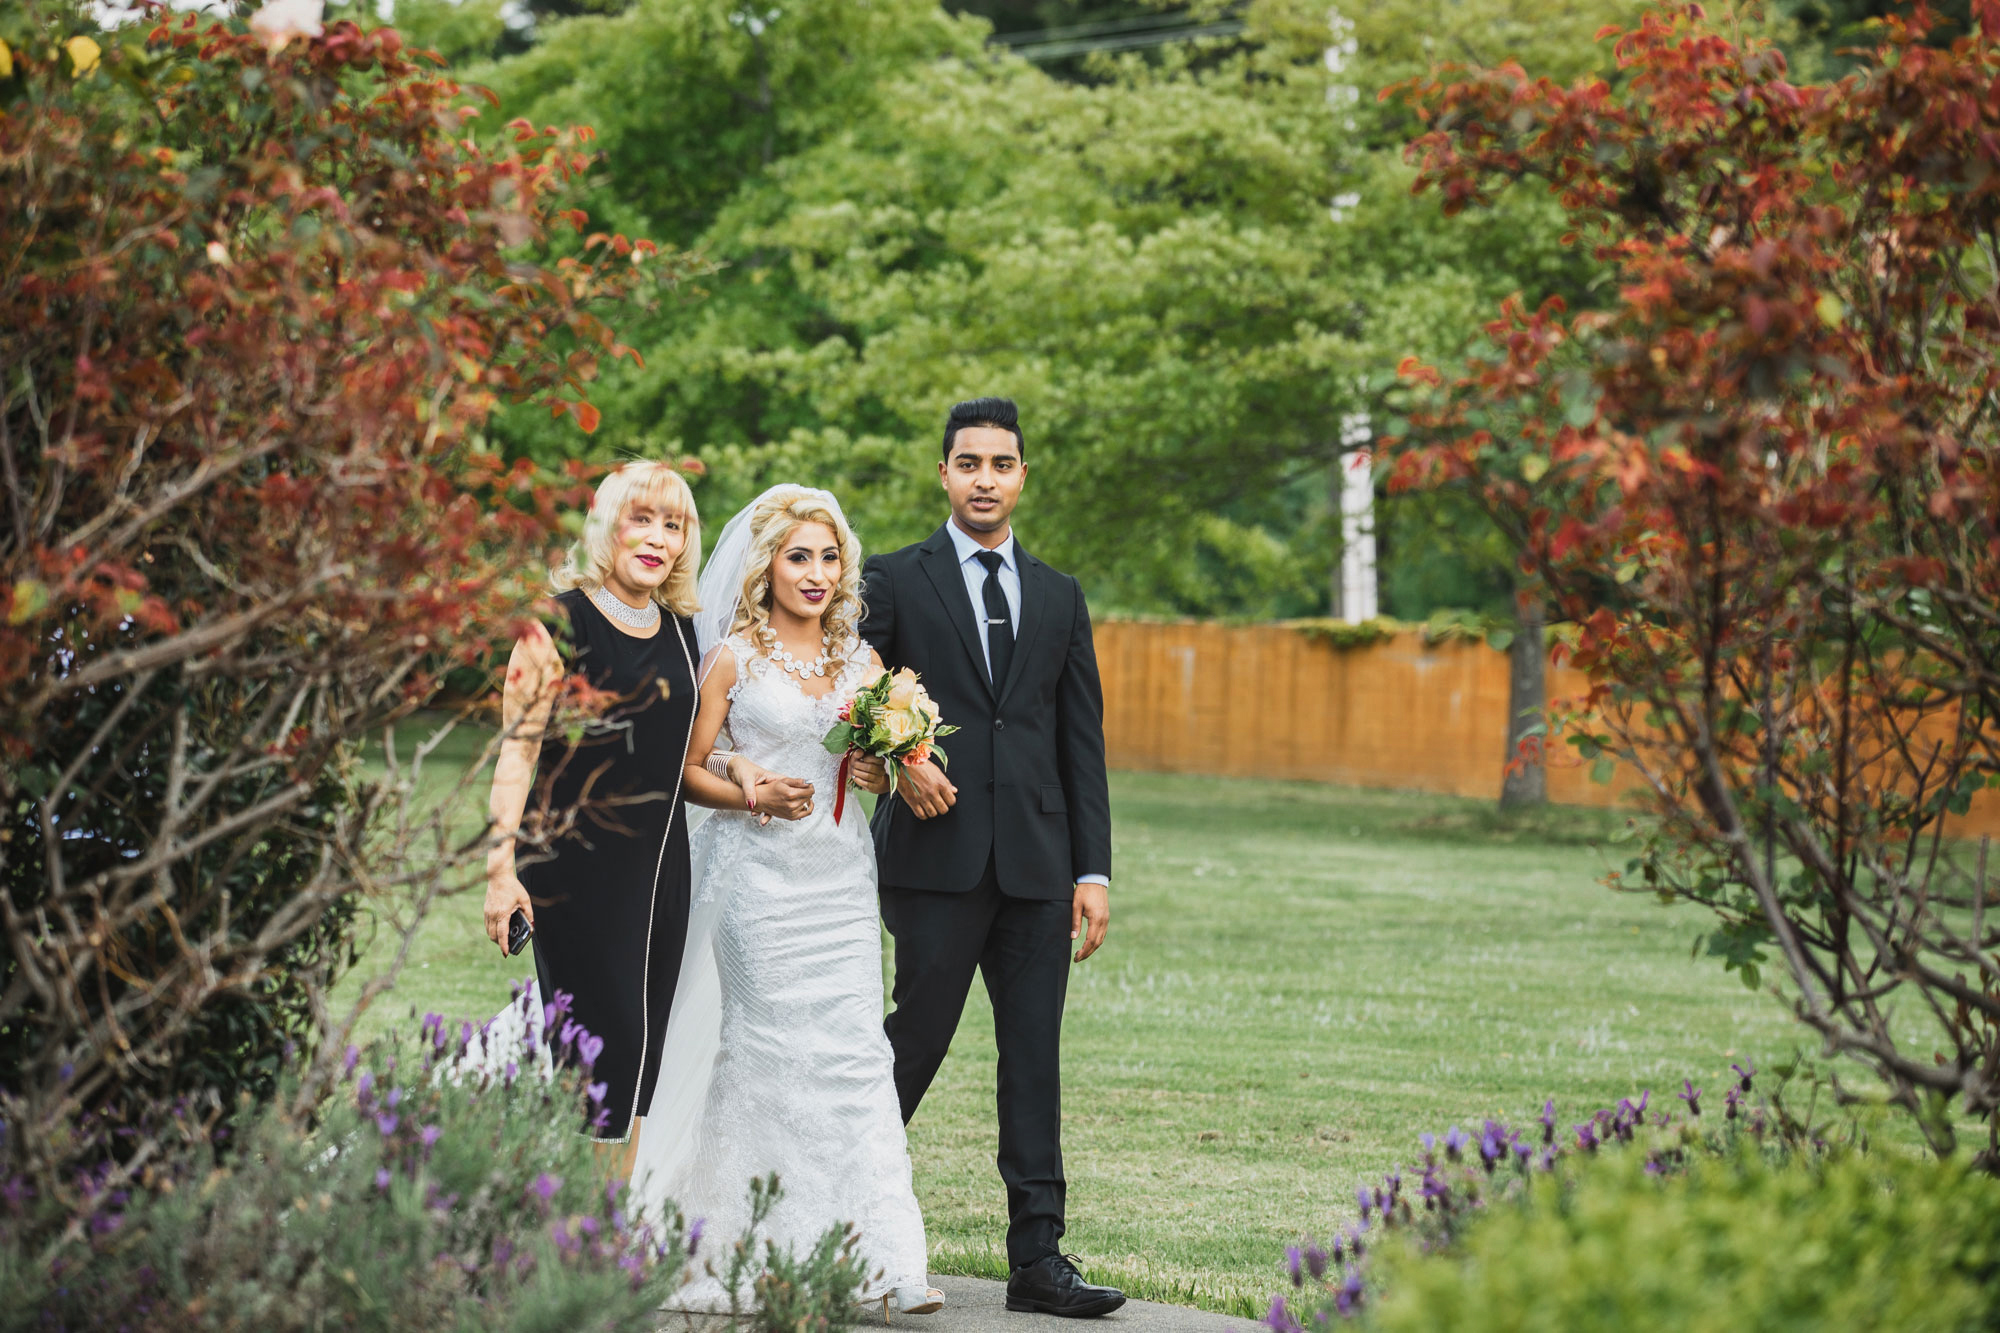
pixel 1028 759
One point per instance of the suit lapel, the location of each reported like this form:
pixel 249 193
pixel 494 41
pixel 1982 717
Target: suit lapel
pixel 1034 599
pixel 941 564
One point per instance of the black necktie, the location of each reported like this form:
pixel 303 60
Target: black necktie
pixel 999 626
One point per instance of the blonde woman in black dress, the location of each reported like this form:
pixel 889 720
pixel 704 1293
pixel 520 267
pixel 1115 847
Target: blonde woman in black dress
pixel 607 896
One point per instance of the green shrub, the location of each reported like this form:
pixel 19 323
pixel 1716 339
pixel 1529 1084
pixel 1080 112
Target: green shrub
pixel 1737 1242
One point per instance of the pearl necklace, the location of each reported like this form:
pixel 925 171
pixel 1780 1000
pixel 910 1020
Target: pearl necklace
pixel 613 606
pixel 787 660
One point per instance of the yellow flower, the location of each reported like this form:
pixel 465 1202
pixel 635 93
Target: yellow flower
pixel 83 55
pixel 903 692
pixel 902 726
pixel 6 61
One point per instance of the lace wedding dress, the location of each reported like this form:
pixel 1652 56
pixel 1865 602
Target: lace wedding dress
pixel 801 1080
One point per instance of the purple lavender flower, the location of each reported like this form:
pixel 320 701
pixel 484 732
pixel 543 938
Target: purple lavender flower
pixel 366 1087
pixel 1732 1102
pixel 597 1091
pixel 429 1136
pixel 545 1186
pixel 382 1178
pixel 395 1096
pixel 611 1188
pixel 1279 1318
pixel 1429 1141
pixel 348 1061
pixel 1691 1095
pixel 1548 1118
pixel 1434 1192
pixel 1492 1145
pixel 588 1048
pixel 1454 1143
pixel 694 1234
pixel 1348 1298
pixel 1586 1136
pixel 387 1123
pixel 1744 1075
pixel 1316 1261
pixel 1367 1201
pixel 1295 1264
pixel 64 1074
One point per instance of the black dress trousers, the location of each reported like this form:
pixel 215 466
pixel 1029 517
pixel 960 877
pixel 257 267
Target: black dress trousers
pixel 1021 946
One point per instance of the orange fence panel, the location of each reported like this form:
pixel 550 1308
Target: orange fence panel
pixel 1191 696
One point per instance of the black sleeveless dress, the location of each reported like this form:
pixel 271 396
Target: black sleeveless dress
pixel 611 895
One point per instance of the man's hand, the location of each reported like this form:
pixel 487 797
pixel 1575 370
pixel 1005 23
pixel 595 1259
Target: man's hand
pixel 870 774
pixel 1093 904
pixel 926 790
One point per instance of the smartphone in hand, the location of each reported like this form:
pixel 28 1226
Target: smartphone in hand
pixel 519 932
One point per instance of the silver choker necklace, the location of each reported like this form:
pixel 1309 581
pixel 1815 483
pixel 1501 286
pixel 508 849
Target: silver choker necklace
pixel 613 606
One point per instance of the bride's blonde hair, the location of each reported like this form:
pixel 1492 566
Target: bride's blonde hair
pixel 647 485
pixel 771 522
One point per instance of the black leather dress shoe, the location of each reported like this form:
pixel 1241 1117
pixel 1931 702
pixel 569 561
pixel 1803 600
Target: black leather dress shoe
pixel 1052 1285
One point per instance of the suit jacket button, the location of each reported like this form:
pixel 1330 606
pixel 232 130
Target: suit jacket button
pixel 999 724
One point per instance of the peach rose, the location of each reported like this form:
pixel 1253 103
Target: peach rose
pixel 903 692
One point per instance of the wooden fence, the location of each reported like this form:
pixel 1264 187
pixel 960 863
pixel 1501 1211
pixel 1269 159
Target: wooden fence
pixel 1271 701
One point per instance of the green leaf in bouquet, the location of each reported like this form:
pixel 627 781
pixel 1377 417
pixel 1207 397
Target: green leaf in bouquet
pixel 841 739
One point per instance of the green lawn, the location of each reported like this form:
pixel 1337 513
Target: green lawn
pixel 1298 980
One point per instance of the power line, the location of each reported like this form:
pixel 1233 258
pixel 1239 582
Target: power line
pixel 1061 50
pixel 1096 28
pixel 1126 34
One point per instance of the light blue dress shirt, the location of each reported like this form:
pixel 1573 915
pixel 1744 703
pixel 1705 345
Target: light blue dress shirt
pixel 974 574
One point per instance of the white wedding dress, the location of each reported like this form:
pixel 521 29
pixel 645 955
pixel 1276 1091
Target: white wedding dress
pixel 800 1081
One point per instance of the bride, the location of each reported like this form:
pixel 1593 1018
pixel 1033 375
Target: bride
pixel 775 1058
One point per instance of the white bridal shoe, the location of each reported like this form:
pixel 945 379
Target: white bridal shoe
pixel 911 1300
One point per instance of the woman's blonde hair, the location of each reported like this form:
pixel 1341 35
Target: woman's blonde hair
pixel 770 524
pixel 656 486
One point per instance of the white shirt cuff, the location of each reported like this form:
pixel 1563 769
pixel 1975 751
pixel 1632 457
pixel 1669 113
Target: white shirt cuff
pixel 1105 880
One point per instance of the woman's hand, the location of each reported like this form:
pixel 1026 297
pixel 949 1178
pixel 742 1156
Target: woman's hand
pixel 869 773
pixel 769 795
pixel 504 896
pixel 782 798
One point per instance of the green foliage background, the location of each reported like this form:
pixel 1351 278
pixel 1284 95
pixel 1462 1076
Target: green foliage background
pixel 1874 1241
pixel 1187 265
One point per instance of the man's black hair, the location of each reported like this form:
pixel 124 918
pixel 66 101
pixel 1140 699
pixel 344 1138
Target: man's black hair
pixel 999 413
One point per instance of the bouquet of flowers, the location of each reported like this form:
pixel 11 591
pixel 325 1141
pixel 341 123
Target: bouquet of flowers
pixel 890 718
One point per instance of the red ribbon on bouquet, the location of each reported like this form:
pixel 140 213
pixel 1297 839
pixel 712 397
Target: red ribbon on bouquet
pixel 840 784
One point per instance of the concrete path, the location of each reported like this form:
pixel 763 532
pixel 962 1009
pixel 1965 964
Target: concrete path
pixel 978 1305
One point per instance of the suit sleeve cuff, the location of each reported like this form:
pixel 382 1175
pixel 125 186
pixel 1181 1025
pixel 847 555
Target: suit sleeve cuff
pixel 1105 880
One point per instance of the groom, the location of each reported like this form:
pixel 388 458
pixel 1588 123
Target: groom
pixel 1005 863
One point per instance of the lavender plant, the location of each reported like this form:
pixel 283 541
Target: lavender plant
pixel 440 1182
pixel 1465 1173
pixel 789 1292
